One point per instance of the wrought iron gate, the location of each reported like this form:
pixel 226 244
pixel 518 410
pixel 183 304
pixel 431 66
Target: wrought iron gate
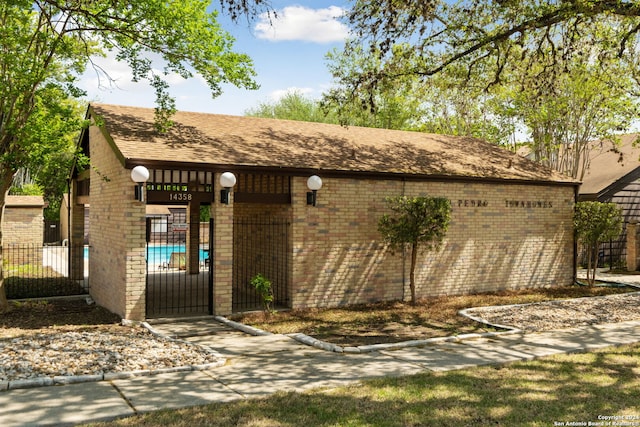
pixel 179 279
pixel 260 246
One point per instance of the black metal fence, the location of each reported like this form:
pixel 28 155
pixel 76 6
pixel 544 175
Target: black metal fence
pixel 612 254
pixel 52 232
pixel 260 246
pixel 178 267
pixel 36 271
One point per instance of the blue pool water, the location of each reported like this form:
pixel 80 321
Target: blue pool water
pixel 159 254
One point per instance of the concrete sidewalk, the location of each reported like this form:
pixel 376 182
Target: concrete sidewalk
pixel 258 366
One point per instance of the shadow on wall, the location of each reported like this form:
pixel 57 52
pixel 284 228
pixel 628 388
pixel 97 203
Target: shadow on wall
pixel 481 266
pixel 351 274
pixel 354 274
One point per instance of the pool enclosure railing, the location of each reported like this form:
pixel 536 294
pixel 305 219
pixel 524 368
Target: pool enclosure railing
pixel 42 271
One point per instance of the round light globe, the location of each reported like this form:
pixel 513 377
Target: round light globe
pixel 314 183
pixel 139 174
pixel 227 180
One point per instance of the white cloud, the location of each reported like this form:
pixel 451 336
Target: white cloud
pixel 109 80
pixel 304 24
pixel 107 73
pixel 277 95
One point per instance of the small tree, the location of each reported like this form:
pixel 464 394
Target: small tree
pixel 418 222
pixel 596 222
pixel 265 291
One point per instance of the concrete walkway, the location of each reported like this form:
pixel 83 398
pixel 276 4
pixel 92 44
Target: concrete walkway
pixel 258 366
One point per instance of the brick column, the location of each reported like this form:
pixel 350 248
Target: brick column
pixel 136 266
pixel 632 246
pixel 222 267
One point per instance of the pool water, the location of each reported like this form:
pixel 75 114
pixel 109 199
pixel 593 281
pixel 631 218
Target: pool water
pixel 158 254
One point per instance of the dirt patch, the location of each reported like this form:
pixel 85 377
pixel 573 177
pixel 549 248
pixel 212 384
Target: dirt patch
pixel 398 321
pixel 33 317
pixel 346 326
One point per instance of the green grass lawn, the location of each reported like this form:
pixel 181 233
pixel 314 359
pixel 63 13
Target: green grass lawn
pixel 573 388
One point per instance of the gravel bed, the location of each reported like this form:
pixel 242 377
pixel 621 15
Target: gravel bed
pixel 560 314
pixel 99 352
pixel 95 353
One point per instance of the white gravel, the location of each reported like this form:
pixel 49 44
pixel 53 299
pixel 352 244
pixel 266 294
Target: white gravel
pixel 95 353
pixel 561 314
pixel 134 349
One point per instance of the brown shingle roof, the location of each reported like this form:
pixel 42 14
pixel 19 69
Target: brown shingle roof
pixel 157 210
pixel 610 164
pixel 247 141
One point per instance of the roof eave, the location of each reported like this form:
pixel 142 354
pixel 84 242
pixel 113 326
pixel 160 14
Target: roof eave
pixel 608 192
pixel 130 163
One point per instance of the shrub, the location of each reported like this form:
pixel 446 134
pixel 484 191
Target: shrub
pixel 263 287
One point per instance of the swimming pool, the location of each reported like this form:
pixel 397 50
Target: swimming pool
pixel 159 254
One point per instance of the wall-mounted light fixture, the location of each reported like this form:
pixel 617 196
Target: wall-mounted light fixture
pixel 314 183
pixel 227 181
pixel 139 175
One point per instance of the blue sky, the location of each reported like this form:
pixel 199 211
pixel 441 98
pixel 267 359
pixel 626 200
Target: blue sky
pixel 288 55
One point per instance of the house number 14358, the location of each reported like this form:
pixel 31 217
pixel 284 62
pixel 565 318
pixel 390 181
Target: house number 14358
pixel 180 197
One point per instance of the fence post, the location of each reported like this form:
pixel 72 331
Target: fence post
pixel 632 246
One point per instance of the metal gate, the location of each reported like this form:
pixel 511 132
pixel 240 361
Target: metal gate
pixel 260 246
pixel 179 279
pixel 52 231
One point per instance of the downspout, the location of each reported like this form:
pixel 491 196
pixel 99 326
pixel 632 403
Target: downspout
pixel 68 227
pixel 404 255
pixel 575 239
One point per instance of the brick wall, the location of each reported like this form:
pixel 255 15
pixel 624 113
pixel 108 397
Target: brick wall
pixel 338 258
pixel 22 220
pixel 117 234
pixel 22 224
pixel 501 236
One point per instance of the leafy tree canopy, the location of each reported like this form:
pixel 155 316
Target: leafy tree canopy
pixel 493 34
pixel 596 222
pixel 417 222
pixel 46 44
pixel 558 73
pixel 292 106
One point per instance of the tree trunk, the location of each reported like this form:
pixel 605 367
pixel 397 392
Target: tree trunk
pixel 590 269
pixel 4 304
pixel 412 273
pixel 5 184
pixel 594 265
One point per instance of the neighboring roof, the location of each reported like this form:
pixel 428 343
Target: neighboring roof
pixel 249 142
pixel 24 201
pixel 158 210
pixel 610 166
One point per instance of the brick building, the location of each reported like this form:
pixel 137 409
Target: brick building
pixel 613 176
pixel 511 224
pixel 22 221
